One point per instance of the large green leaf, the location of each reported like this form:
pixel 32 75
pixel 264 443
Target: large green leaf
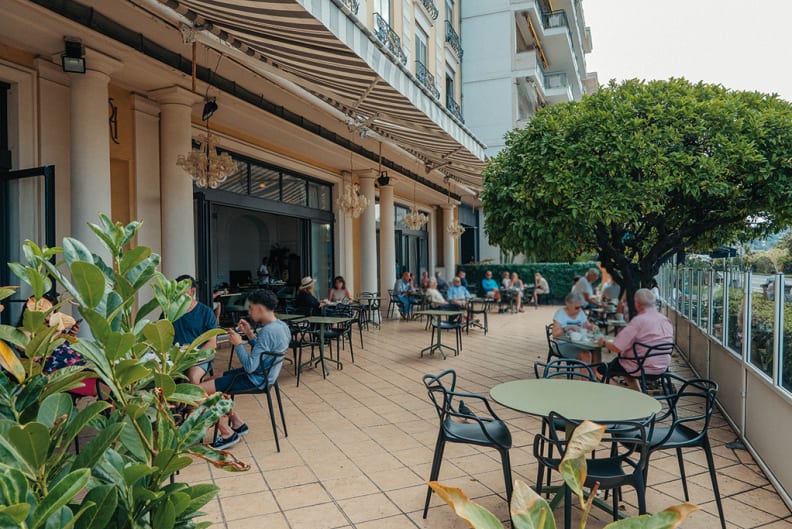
pixel 13 336
pixel 133 257
pixel 474 514
pixel 164 515
pixel 105 500
pixel 187 394
pixel 6 292
pixel 10 362
pixel 82 419
pixel 201 493
pixel 31 442
pixel 585 438
pixel 8 522
pixel 53 408
pixel 529 510
pixel 100 328
pixel 219 458
pixel 18 511
pixel 204 337
pixel 59 495
pixel 74 251
pixel 670 518
pixel 159 334
pixel 13 487
pixel 89 281
pixel 91 454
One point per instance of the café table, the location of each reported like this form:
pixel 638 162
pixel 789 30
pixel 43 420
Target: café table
pixel 439 314
pixel 369 302
pixel 585 343
pixel 323 322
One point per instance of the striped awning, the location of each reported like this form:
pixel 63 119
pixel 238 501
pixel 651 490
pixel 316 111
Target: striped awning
pixel 361 79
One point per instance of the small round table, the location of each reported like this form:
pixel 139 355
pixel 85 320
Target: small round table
pixel 575 399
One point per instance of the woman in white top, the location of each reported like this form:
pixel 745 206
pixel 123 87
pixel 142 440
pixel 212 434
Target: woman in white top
pixel 339 291
pixel 541 287
pixel 568 319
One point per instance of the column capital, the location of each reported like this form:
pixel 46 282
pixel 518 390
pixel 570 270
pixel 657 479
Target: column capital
pixel 447 207
pixel 96 61
pixel 175 95
pixel 141 103
pixel 366 173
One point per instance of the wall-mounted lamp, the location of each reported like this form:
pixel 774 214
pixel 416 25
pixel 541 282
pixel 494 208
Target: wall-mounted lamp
pixel 73 58
pixel 383 179
pixel 210 107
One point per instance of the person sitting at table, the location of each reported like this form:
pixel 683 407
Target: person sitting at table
pixel 648 327
pixel 540 287
pixel 305 301
pixel 198 319
pixel 572 319
pixel 274 336
pixel 438 302
pixel 263 271
pixel 490 286
pixel 339 292
pixel 516 288
pixel 610 292
pixel 442 284
pixel 583 286
pixel 403 290
pixel 457 293
pixel 461 275
pixel 424 280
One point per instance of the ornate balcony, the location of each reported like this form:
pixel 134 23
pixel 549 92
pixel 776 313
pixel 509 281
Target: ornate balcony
pixel 452 38
pixel 431 8
pixel 426 78
pixel 454 107
pixel 352 5
pixel 389 37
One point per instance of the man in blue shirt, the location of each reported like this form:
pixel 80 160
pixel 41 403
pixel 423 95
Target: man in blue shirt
pixel 197 320
pixel 490 286
pixel 273 337
pixel 402 290
pixel 458 294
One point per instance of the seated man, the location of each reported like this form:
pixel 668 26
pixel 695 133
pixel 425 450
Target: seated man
pixel 461 275
pixel 197 320
pixel 458 294
pixel 403 290
pixel 583 285
pixel 442 284
pixel 274 336
pixel 437 301
pixel 648 327
pixel 490 286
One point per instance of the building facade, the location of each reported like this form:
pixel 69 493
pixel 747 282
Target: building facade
pixel 521 55
pixel 312 100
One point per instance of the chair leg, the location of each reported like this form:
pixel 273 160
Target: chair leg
pixel 435 472
pixel 681 462
pixel 640 490
pixel 280 408
pixel 351 350
pixel 714 479
pixel 298 366
pixel 567 507
pixel 272 420
pixel 507 474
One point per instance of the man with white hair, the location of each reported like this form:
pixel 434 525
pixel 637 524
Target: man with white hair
pixel 649 327
pixel 583 286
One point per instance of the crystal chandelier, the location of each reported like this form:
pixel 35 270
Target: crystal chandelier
pixel 455 229
pixel 206 167
pixel 351 201
pixel 414 219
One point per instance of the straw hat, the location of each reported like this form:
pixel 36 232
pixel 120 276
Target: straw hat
pixel 306 282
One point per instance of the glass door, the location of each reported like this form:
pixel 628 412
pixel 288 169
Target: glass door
pixel 322 257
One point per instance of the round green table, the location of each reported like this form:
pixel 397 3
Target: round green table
pixel 575 399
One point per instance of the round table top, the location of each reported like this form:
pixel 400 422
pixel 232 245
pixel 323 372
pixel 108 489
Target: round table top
pixel 575 399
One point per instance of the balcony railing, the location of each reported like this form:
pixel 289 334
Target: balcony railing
pixel 452 38
pixel 555 19
pixel 387 36
pixel 352 5
pixel 454 107
pixel 426 78
pixel 555 80
pixel 431 8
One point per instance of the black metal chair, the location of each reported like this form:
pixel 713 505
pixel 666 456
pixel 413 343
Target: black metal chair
pixel 270 373
pixel 616 464
pixel 457 426
pixel 642 352
pixel 552 346
pixel 478 307
pixel 394 301
pixel 689 431
pixel 343 331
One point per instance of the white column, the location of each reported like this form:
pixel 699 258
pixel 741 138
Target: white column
pixel 387 237
pixel 431 241
pixel 368 237
pixel 176 187
pixel 449 242
pixel 145 112
pixel 90 146
pixel 346 253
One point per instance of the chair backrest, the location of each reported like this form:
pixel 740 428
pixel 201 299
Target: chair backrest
pixel 440 388
pixel 691 407
pixel 552 346
pixel 269 367
pixel 643 353
pixel 569 368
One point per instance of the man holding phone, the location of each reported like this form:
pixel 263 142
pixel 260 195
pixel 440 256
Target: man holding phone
pixel 197 320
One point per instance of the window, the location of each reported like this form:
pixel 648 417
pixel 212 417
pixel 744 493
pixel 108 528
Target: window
pixel 383 7
pixel 449 82
pixel 421 39
pixel 449 9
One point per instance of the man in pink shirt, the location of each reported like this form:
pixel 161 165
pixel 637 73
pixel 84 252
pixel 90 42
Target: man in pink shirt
pixel 649 327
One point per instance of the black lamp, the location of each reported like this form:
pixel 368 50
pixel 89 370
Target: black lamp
pixel 73 58
pixel 383 179
pixel 210 107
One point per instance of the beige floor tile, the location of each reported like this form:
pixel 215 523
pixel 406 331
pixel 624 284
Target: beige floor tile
pixel 270 521
pixel 367 508
pixel 290 477
pixel 350 487
pixel 241 483
pixel 325 516
pixel 301 496
pixel 740 514
pixel 400 521
pixel 765 500
pixel 247 505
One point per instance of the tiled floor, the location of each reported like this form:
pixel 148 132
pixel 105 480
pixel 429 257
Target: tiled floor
pixel 360 444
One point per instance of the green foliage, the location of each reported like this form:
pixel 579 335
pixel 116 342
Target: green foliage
pixel 761 263
pixel 640 171
pixel 152 421
pixel 559 275
pixel 530 511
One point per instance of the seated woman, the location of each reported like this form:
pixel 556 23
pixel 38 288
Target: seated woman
pixel 568 319
pixel 437 301
pixel 339 291
pixel 517 287
pixel 306 302
pixel 541 287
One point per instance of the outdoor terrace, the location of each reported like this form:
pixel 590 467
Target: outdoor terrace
pixel 361 442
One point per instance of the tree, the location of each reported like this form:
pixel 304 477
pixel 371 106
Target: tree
pixel 640 171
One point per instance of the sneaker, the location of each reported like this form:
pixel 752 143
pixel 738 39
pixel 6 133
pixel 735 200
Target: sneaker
pixel 242 429
pixel 221 443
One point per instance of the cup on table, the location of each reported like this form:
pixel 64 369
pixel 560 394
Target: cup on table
pixel 620 316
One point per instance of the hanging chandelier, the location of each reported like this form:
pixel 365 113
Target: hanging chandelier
pixel 455 229
pixel 206 167
pixel 414 220
pixel 351 201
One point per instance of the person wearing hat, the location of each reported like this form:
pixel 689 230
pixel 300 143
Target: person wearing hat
pixel 306 301
pixel 198 319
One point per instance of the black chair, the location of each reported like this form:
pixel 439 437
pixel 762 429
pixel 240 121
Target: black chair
pixel 478 307
pixel 343 331
pixel 552 346
pixel 394 301
pixel 457 426
pixel 615 465
pixel 447 325
pixel 642 352
pixel 270 375
pixel 689 431
pixel 370 311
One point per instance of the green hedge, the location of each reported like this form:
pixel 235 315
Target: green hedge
pixel 559 275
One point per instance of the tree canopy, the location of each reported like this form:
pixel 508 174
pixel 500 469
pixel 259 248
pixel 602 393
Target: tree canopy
pixel 639 171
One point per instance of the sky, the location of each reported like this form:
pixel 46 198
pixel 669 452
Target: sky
pixel 742 45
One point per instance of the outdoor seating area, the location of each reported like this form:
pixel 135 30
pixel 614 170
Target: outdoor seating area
pixel 361 442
